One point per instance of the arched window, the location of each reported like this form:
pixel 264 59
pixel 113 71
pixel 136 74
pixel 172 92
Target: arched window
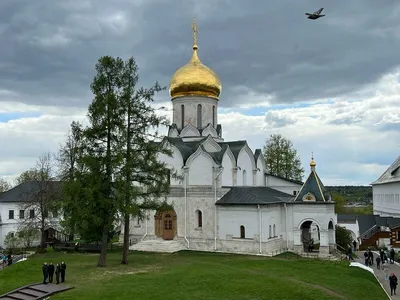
pixel 274 230
pixel 270 231
pixel 199 116
pixel 213 116
pixel 199 219
pixel 182 116
pixel 244 178
pixel 242 232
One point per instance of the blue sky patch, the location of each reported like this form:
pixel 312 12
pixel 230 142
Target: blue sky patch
pixel 9 116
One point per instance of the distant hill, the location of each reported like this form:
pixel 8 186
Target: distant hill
pixel 352 194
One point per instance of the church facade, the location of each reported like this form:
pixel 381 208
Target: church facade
pixel 222 197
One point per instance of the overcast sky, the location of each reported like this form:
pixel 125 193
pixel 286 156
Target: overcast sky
pixel 330 85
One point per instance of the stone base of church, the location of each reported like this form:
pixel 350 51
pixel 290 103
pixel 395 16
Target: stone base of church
pixel 324 250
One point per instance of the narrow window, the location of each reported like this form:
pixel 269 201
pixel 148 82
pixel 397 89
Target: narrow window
pixel 199 219
pixel 274 232
pixel 11 214
pixel 270 231
pixel 169 176
pixel 244 178
pixel 199 116
pixel 182 116
pixel 21 214
pixel 242 232
pixel 213 116
pixel 31 213
pixel 294 193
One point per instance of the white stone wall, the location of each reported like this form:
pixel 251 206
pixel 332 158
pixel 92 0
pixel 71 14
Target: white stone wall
pixel 227 174
pixel 200 170
pixel 246 164
pixel 190 116
pixel 174 162
pixel 260 174
pixel 282 185
pixel 386 199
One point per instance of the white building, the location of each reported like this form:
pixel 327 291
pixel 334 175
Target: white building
pixel 386 191
pixel 16 212
pixel 224 199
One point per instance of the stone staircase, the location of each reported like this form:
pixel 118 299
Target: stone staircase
pixel 158 245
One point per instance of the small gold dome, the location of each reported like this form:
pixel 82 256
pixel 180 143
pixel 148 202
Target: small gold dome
pixel 195 79
pixel 313 163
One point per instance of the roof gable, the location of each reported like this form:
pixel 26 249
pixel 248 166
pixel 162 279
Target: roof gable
pixel 312 190
pixel 392 174
pixel 210 145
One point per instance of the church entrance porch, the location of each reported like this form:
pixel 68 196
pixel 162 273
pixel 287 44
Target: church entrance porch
pixel 165 224
pixel 310 236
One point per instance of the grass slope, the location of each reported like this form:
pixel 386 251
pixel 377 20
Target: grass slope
pixel 198 275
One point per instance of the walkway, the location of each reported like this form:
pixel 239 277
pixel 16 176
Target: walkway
pixel 393 268
pixel 35 291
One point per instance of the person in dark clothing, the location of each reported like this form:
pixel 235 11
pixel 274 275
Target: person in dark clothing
pixel 349 253
pixel 381 253
pixel 58 271
pixel 366 257
pixel 355 245
pixel 50 270
pixel 378 262
pixel 392 283
pixel 371 257
pixel 63 267
pixel 392 256
pixel 45 273
pixel 9 259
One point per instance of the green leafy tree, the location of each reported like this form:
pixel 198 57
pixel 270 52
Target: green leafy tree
pixel 339 202
pixel 103 146
pixel 281 158
pixel 11 241
pixel 27 236
pixel 343 237
pixel 32 175
pixel 142 178
pixel 4 185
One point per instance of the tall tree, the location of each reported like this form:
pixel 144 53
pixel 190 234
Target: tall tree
pixel 281 158
pixel 143 177
pixel 31 175
pixel 42 200
pixel 103 147
pixel 4 185
pixel 70 166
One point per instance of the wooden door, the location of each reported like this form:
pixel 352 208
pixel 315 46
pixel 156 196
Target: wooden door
pixel 168 233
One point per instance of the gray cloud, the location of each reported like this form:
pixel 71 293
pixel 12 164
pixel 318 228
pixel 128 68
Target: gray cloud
pixel 269 47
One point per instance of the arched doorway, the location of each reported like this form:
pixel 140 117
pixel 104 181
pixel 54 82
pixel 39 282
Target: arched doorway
pixel 310 236
pixel 165 224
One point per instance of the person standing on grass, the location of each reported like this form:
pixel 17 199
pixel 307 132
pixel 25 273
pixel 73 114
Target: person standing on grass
pixel 51 272
pixel 45 271
pixel 392 283
pixel 378 262
pixel 63 267
pixel 58 271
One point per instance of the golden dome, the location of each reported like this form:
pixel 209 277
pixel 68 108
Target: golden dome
pixel 312 163
pixel 194 78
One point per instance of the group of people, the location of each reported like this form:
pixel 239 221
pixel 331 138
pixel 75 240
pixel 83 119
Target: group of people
pixel 49 270
pixel 382 261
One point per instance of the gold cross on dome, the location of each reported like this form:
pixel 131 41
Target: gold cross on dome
pixel 195 31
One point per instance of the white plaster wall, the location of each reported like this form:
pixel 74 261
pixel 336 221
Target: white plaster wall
pixel 245 163
pixel 227 173
pixel 174 162
pixel 201 170
pixel 260 175
pixel 232 217
pixel 282 185
pixel 320 213
pixel 190 104
pixel 353 227
pixel 386 199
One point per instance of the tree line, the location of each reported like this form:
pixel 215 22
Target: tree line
pixel 108 169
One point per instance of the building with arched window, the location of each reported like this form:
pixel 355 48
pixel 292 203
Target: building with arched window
pixel 222 197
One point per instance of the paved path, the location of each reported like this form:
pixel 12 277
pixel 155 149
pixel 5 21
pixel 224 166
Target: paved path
pixel 393 268
pixel 35 291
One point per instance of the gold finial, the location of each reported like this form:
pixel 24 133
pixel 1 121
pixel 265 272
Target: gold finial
pixel 312 163
pixel 195 33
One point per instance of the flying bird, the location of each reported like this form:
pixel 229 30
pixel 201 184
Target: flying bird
pixel 315 15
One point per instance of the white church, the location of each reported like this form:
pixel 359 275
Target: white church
pixel 224 199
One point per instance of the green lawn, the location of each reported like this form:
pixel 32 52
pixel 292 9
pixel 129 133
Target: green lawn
pixel 198 275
